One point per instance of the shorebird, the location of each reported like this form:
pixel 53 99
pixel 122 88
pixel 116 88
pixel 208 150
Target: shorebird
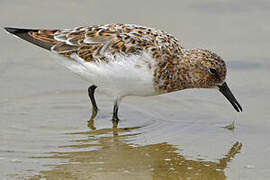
pixel 131 60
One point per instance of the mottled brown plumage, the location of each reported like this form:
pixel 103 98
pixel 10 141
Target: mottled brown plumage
pixel 189 71
pixel 100 42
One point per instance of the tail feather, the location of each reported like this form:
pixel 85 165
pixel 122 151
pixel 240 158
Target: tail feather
pixel 41 38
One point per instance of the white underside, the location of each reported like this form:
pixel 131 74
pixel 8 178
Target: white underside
pixel 122 76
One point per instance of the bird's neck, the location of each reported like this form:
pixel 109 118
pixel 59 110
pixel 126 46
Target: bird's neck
pixel 172 75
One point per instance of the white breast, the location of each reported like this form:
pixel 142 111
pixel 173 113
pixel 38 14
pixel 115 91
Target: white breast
pixel 121 76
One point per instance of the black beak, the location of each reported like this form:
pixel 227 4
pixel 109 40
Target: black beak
pixel 224 89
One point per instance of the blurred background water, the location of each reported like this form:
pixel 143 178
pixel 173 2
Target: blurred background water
pixel 44 108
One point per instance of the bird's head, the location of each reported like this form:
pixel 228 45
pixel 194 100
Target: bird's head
pixel 208 70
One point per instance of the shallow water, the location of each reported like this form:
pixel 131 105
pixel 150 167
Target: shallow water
pixel 44 108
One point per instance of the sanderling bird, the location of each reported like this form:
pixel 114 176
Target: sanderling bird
pixel 131 60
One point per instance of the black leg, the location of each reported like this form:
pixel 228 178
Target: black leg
pixel 115 118
pixel 115 112
pixel 91 91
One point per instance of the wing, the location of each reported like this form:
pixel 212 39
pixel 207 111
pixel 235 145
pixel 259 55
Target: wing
pixel 42 38
pixel 102 43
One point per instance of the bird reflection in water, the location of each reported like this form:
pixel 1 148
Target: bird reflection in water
pixel 116 157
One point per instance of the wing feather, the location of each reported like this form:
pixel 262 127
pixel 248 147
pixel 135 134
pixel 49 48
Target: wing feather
pixel 101 43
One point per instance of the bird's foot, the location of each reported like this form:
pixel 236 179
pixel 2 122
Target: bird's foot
pixel 91 124
pixel 115 121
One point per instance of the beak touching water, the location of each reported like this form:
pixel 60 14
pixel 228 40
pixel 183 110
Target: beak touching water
pixel 224 89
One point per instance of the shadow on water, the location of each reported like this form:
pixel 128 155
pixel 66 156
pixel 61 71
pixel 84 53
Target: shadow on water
pixel 115 157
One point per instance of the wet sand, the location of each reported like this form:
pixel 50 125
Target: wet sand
pixel 44 108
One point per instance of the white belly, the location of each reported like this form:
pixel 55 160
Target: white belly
pixel 122 76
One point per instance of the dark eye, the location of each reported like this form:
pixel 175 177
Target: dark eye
pixel 212 70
